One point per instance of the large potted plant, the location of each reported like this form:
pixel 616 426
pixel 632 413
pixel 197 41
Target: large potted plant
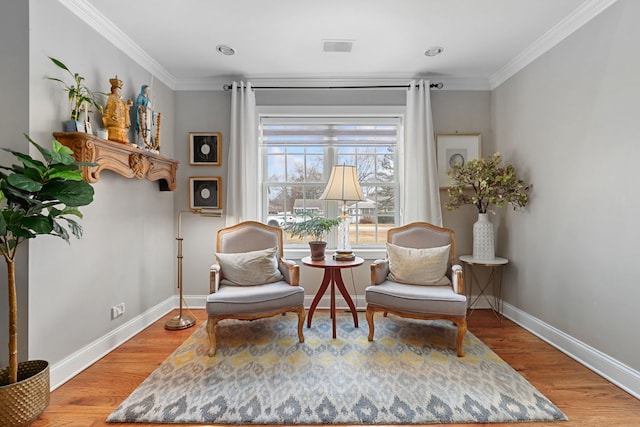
pixel 484 183
pixel 80 96
pixel 315 230
pixel 36 197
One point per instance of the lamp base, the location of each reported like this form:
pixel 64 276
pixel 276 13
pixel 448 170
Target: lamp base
pixel 180 322
pixel 344 256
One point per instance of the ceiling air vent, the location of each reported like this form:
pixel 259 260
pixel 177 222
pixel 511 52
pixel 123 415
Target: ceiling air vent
pixel 337 45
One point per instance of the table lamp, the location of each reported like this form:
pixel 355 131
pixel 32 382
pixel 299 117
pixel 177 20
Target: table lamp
pixel 343 185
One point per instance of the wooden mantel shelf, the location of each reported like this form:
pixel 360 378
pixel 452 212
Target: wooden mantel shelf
pixel 126 160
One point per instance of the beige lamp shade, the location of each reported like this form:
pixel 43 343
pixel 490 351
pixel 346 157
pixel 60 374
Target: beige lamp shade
pixel 343 185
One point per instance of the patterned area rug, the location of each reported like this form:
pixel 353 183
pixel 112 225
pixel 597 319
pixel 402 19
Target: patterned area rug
pixel 410 374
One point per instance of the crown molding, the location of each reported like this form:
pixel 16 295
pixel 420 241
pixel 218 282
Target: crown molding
pixel 583 14
pixel 103 26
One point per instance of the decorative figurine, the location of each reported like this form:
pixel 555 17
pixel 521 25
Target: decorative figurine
pixel 142 103
pixel 147 122
pixel 116 113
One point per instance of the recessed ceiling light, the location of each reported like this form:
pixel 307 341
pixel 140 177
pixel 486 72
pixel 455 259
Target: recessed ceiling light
pixel 225 50
pixel 433 51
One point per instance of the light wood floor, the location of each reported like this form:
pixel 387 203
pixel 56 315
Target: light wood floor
pixel 586 398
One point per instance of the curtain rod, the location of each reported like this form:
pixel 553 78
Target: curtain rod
pixel 438 85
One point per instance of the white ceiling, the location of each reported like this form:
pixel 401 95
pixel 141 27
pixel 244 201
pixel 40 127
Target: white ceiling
pixel 484 41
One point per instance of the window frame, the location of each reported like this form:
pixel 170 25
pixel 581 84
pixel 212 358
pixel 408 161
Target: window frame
pixel 395 112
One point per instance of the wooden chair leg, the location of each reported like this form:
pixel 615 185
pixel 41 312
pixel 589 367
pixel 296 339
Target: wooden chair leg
pixel 211 330
pixel 301 316
pixel 462 330
pixel 370 313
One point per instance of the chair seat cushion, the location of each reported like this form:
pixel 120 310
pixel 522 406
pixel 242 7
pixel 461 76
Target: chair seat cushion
pixel 250 268
pixel 255 299
pixel 437 300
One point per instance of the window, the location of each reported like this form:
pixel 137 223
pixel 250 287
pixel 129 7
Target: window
pixel 298 152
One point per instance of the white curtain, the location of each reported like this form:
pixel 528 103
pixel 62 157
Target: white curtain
pixel 420 198
pixel 242 200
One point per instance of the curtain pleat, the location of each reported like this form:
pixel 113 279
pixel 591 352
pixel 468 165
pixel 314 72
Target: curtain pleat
pixel 420 197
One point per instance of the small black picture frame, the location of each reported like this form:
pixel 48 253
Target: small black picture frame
pixel 205 192
pixel 205 148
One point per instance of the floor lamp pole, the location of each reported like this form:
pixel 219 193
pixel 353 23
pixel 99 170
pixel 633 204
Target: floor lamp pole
pixel 181 321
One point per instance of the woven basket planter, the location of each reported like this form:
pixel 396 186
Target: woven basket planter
pixel 23 402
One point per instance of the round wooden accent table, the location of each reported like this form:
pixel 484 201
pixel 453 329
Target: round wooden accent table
pixel 333 277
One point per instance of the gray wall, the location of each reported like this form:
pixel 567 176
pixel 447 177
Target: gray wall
pixel 570 122
pixel 127 253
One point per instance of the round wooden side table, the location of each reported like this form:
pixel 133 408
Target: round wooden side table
pixel 333 277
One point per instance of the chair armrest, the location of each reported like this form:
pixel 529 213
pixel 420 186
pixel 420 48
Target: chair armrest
pixel 290 270
pixel 214 278
pixel 457 279
pixel 379 271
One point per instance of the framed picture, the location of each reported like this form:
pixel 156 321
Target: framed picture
pixel 205 148
pixel 455 149
pixel 205 192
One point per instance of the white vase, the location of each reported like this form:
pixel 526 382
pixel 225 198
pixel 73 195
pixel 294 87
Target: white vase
pixel 483 238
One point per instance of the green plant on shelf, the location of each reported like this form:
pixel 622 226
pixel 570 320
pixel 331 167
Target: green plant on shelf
pixel 80 96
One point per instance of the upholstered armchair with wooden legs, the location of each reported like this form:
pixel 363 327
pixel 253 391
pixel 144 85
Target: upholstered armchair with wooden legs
pixel 251 279
pixel 418 279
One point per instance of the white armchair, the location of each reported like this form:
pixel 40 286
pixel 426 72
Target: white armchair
pixel 418 279
pixel 250 279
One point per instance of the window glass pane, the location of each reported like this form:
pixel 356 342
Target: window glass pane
pixel 277 199
pixel 306 205
pixel 295 168
pixel 315 168
pixel 385 165
pixel 275 167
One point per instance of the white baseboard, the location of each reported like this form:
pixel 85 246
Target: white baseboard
pixel 194 301
pixel 75 363
pixel 618 373
pixel 602 364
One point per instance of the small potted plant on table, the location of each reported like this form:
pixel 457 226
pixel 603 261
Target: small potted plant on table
pixel 315 230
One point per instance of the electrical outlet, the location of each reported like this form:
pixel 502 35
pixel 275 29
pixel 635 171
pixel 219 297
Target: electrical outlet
pixel 117 310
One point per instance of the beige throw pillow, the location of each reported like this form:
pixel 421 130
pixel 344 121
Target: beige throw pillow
pixel 418 266
pixel 250 268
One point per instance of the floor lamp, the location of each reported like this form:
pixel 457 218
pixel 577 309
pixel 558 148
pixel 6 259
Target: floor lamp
pixel 343 185
pixel 184 321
